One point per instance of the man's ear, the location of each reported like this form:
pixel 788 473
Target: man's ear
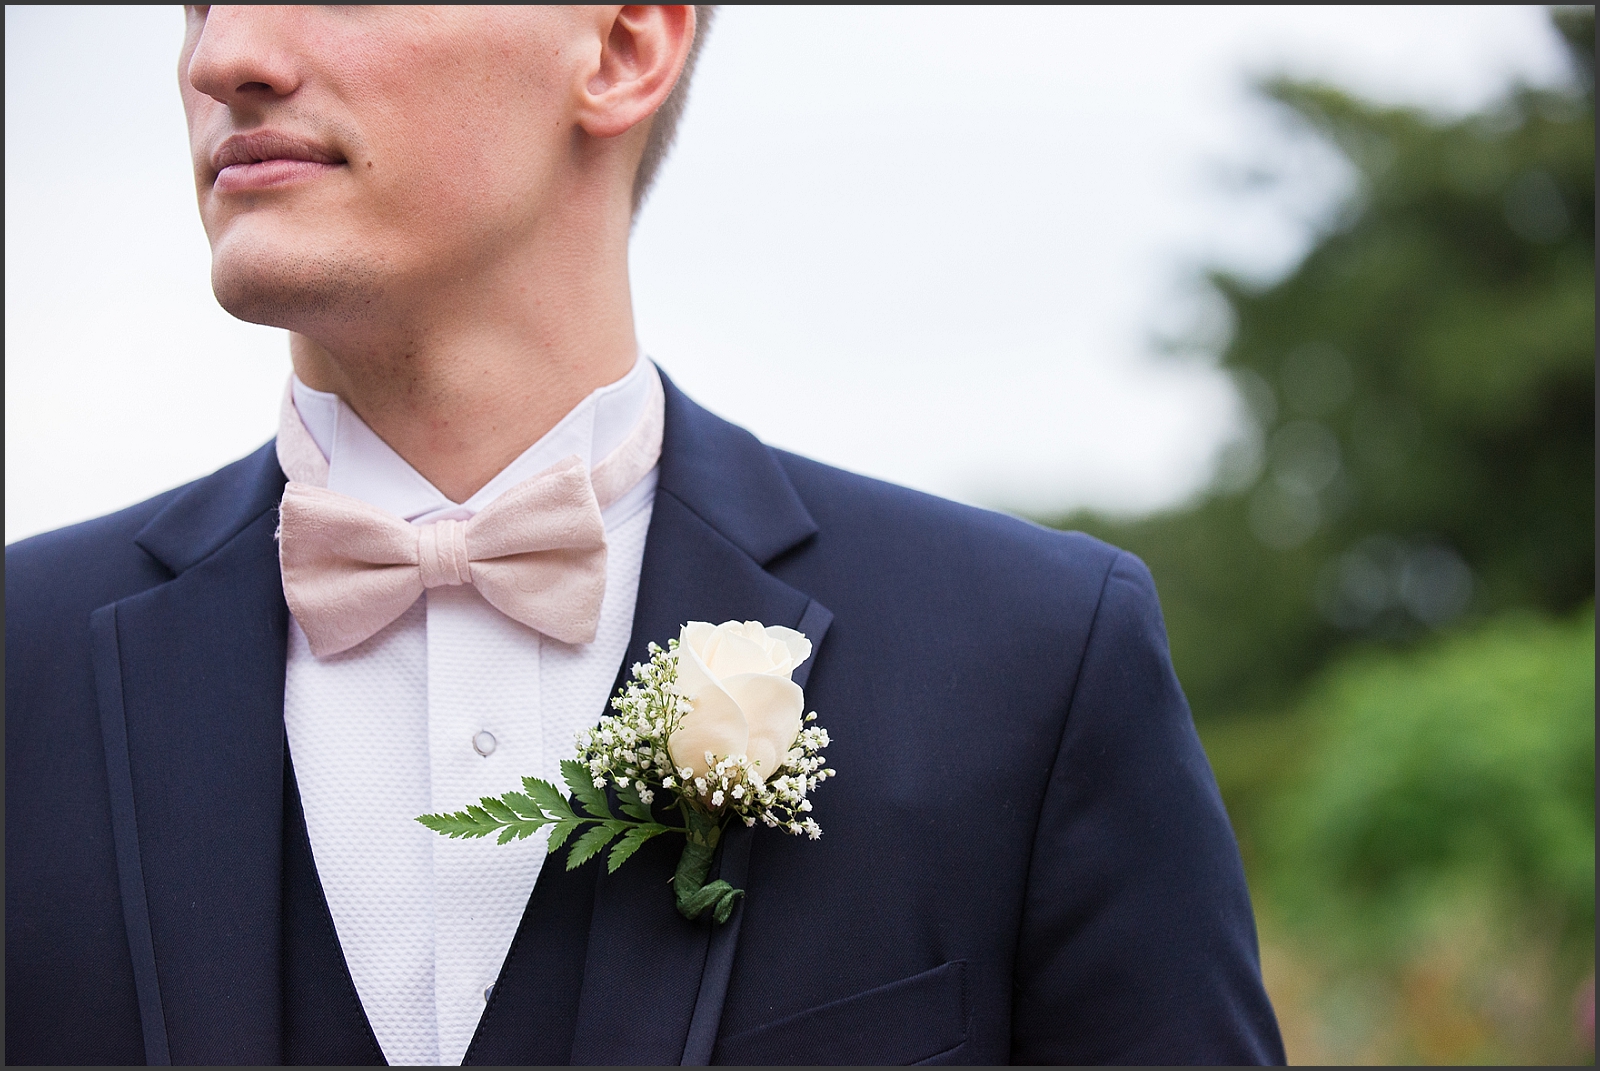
pixel 642 52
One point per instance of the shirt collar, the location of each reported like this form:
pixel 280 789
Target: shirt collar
pixel 362 465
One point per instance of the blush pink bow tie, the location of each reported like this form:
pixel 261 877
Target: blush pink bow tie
pixel 537 554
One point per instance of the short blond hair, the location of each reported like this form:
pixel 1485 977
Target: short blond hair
pixel 664 126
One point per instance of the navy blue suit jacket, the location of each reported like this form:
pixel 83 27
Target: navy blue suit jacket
pixel 1025 856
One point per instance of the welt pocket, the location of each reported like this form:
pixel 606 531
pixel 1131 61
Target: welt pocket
pixel 899 1023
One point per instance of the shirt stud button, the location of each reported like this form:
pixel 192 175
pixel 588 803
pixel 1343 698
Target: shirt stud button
pixel 484 743
pixel 488 991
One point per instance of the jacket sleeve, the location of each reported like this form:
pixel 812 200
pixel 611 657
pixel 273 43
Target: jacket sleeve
pixel 1137 944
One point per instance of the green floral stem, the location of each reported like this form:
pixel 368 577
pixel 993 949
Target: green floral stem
pixel 689 886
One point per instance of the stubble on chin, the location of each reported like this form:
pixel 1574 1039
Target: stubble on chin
pixel 296 291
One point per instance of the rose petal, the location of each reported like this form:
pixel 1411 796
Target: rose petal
pixel 736 653
pixel 772 708
pixel 716 724
pixel 794 643
pixel 695 633
pixel 756 633
pixel 694 677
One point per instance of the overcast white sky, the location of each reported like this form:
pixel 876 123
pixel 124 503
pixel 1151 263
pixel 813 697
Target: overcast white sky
pixel 936 245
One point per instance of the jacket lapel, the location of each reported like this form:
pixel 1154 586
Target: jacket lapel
pixel 190 682
pixel 653 982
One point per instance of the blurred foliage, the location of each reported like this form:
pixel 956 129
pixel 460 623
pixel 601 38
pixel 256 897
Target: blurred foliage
pixel 1422 386
pixel 1367 606
pixel 1470 760
pixel 1433 846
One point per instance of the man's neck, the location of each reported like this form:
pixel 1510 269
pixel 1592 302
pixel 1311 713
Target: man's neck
pixel 485 368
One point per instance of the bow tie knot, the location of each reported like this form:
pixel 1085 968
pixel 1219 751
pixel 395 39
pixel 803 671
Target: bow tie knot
pixel 442 554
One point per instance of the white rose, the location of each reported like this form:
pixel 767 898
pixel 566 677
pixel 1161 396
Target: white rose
pixel 736 676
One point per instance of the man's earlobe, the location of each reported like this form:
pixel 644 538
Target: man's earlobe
pixel 643 50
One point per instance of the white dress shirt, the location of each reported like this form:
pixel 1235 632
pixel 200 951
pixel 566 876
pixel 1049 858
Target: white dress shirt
pixel 451 702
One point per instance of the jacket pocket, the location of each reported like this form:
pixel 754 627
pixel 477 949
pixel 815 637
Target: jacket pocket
pixel 899 1023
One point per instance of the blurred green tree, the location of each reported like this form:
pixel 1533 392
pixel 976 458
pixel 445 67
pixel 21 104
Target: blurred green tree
pixel 1422 390
pixel 1433 844
pixel 1469 763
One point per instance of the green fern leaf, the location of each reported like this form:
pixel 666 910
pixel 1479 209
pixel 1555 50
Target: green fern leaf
pixel 588 844
pixel 460 823
pixel 576 774
pixel 498 810
pixel 548 797
pixel 560 833
pixel 439 823
pixel 524 807
pixel 632 806
pixel 630 843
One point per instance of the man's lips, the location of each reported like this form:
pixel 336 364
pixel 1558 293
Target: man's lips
pixel 268 158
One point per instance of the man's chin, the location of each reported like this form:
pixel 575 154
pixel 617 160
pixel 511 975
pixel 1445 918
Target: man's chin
pixel 289 289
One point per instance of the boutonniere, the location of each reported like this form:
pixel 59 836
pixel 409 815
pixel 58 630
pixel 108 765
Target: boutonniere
pixel 712 729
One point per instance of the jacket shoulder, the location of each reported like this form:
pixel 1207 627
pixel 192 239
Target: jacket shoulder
pixel 74 570
pixel 952 592
pixel 95 561
pixel 877 520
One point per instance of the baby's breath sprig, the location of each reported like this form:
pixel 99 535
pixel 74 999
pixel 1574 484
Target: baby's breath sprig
pixel 628 752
